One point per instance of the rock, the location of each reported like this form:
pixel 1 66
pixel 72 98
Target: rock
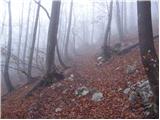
pixel 82 91
pixel 71 77
pixel 130 69
pixel 146 113
pixel 132 97
pixel 99 58
pixel 58 109
pixel 143 83
pixel 54 85
pixel 119 89
pixel 144 90
pixel 97 96
pixel 126 91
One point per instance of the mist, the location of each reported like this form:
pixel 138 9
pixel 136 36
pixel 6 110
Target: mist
pixel 87 30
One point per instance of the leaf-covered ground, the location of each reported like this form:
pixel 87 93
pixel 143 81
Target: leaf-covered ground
pixel 110 79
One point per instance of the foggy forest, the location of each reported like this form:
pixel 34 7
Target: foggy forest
pixel 79 59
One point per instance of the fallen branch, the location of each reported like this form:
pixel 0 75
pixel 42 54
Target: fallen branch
pixel 126 50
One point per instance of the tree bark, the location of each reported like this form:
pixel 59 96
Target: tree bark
pixel 20 34
pixel 52 37
pixel 26 35
pixel 92 34
pixel 38 38
pixel 6 72
pixel 148 54
pixel 33 44
pixel 119 23
pixel 108 30
pixel 125 16
pixel 59 57
pixel 68 30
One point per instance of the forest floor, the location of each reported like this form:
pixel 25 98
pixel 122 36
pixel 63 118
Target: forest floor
pixel 59 100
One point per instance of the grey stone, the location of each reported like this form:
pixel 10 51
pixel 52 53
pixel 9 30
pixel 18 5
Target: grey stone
pixel 119 89
pixel 82 91
pixel 130 69
pixel 144 90
pixel 126 91
pixel 58 109
pixel 99 58
pixel 132 96
pixel 71 77
pixel 97 96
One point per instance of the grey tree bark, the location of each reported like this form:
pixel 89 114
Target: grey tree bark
pixel 20 34
pixel 125 16
pixel 26 35
pixel 52 37
pixel 119 22
pixel 33 44
pixel 38 38
pixel 6 67
pixel 92 34
pixel 68 30
pixel 107 32
pixel 148 54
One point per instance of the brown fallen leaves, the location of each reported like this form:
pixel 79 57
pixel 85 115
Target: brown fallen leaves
pixel 107 79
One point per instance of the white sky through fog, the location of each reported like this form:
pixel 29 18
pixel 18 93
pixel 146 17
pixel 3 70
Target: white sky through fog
pixel 16 7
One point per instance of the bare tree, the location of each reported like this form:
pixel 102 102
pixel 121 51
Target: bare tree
pixel 3 22
pixel 107 32
pixel 6 67
pixel 125 16
pixel 33 44
pixel 52 37
pixel 20 33
pixel 68 30
pixel 26 35
pixel 92 34
pixel 38 38
pixel 119 22
pixel 148 54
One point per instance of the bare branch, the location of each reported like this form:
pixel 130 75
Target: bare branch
pixel 43 8
pixel 17 69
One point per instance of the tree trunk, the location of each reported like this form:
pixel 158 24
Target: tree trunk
pixel 3 22
pixel 33 44
pixel 92 34
pixel 52 37
pixel 20 34
pixel 121 16
pixel 119 23
pixel 26 35
pixel 148 54
pixel 38 38
pixel 59 57
pixel 68 30
pixel 108 30
pixel 6 72
pixel 125 16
